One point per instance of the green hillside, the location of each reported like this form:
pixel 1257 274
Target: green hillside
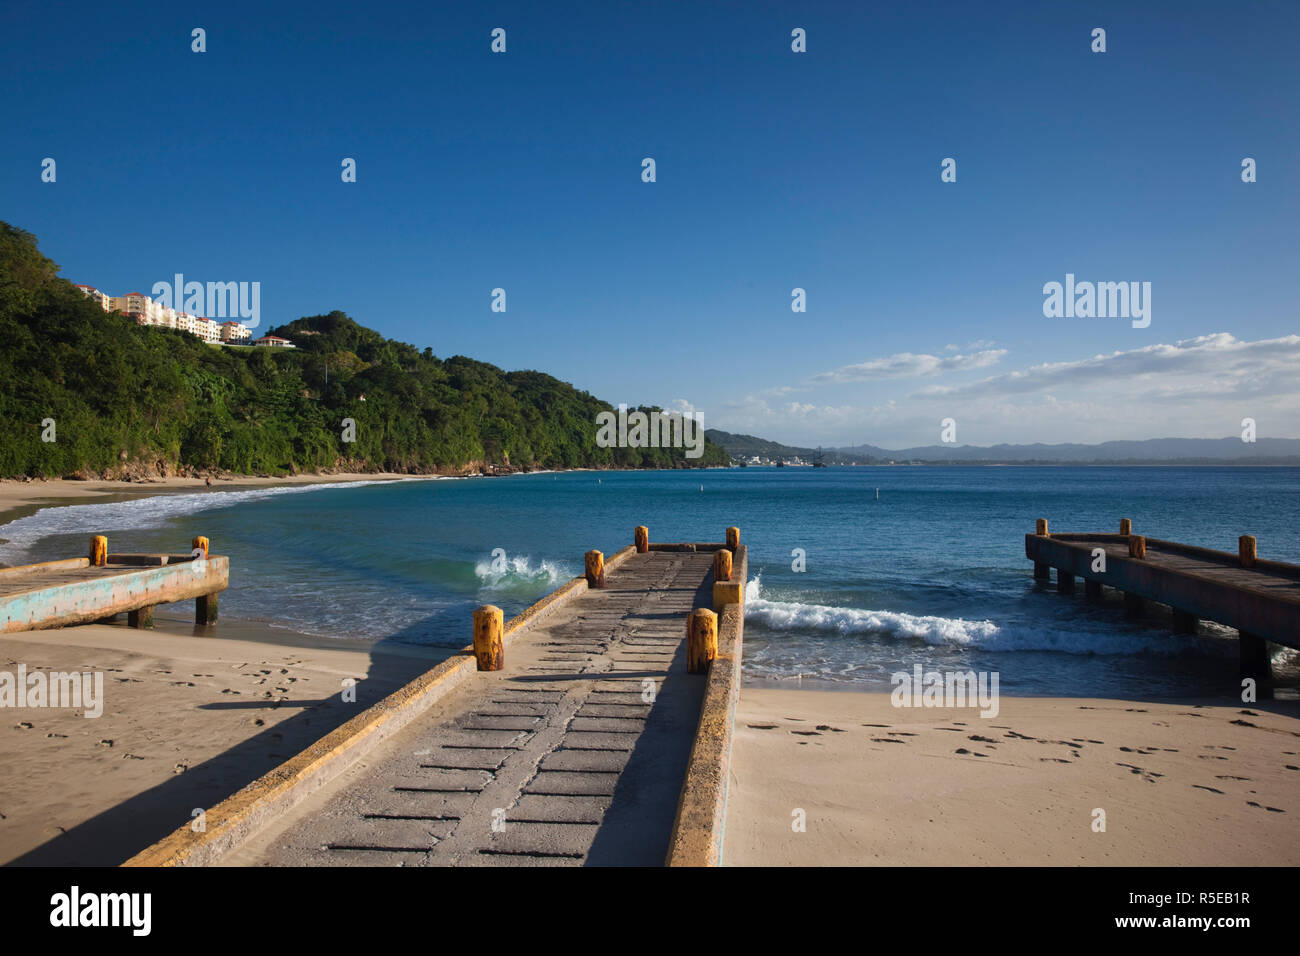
pixel 134 401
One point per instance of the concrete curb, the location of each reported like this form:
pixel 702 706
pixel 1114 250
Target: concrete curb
pixel 242 814
pixel 702 808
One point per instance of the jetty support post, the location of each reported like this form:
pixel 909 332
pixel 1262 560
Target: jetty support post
pixel 641 537
pixel 595 562
pixel 1125 526
pixel 99 551
pixel 1064 582
pixel 1092 589
pixel 733 539
pixel 1255 663
pixel 701 640
pixel 1042 570
pixel 206 605
pixel 141 619
pixel 489 648
pixel 1246 550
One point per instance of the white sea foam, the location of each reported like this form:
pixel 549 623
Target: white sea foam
pixel 958 632
pixel 24 534
pixel 519 572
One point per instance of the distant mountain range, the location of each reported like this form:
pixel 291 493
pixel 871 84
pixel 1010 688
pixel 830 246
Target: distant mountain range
pixel 1187 451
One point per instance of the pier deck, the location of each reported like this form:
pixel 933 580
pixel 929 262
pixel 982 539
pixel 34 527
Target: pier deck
pixel 574 753
pixel 78 591
pixel 1260 598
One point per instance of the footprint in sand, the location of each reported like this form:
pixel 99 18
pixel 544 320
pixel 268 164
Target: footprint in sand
pixel 1228 776
pixel 886 740
pixel 1147 775
pixel 1252 803
pixel 876 725
pixel 1200 786
pixel 1243 723
pixel 806 733
pixel 829 727
pixel 983 740
pixel 1054 760
pixel 972 753
pixel 761 726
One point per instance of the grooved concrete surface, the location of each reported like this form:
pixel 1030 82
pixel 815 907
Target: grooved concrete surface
pixel 574 754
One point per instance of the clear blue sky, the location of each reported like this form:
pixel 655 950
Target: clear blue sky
pixel 775 170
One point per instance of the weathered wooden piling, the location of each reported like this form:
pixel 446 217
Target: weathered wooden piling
pixel 489 646
pixel 733 539
pixel 1246 550
pixel 205 605
pixel 641 537
pixel 1042 571
pixel 99 551
pixel 722 565
pixel 1256 664
pixel 1125 526
pixel 595 569
pixel 701 640
pixel 1137 547
pixel 140 618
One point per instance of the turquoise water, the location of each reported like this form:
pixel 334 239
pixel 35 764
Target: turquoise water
pixel 933 572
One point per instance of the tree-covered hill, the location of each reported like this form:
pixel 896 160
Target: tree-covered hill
pixel 127 400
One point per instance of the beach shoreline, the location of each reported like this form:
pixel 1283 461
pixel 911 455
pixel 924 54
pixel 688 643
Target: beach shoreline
pixel 18 499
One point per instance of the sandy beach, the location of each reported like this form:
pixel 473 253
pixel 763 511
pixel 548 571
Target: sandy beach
pixel 187 720
pixel 1181 782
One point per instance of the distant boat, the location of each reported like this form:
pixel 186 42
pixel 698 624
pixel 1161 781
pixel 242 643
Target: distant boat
pixel 780 463
pixel 819 460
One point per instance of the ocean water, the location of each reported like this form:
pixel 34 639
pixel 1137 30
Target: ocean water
pixel 930 572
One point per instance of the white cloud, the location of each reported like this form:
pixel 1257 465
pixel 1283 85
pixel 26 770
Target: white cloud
pixel 1199 387
pixel 910 365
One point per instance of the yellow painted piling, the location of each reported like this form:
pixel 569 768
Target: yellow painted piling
pixel 1137 547
pixel 642 538
pixel 595 569
pixel 1246 550
pixel 733 539
pixel 489 648
pixel 722 565
pixel 701 640
pixel 1125 526
pixel 1040 527
pixel 99 551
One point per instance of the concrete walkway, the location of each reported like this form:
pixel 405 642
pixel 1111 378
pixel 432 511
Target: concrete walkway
pixel 574 754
